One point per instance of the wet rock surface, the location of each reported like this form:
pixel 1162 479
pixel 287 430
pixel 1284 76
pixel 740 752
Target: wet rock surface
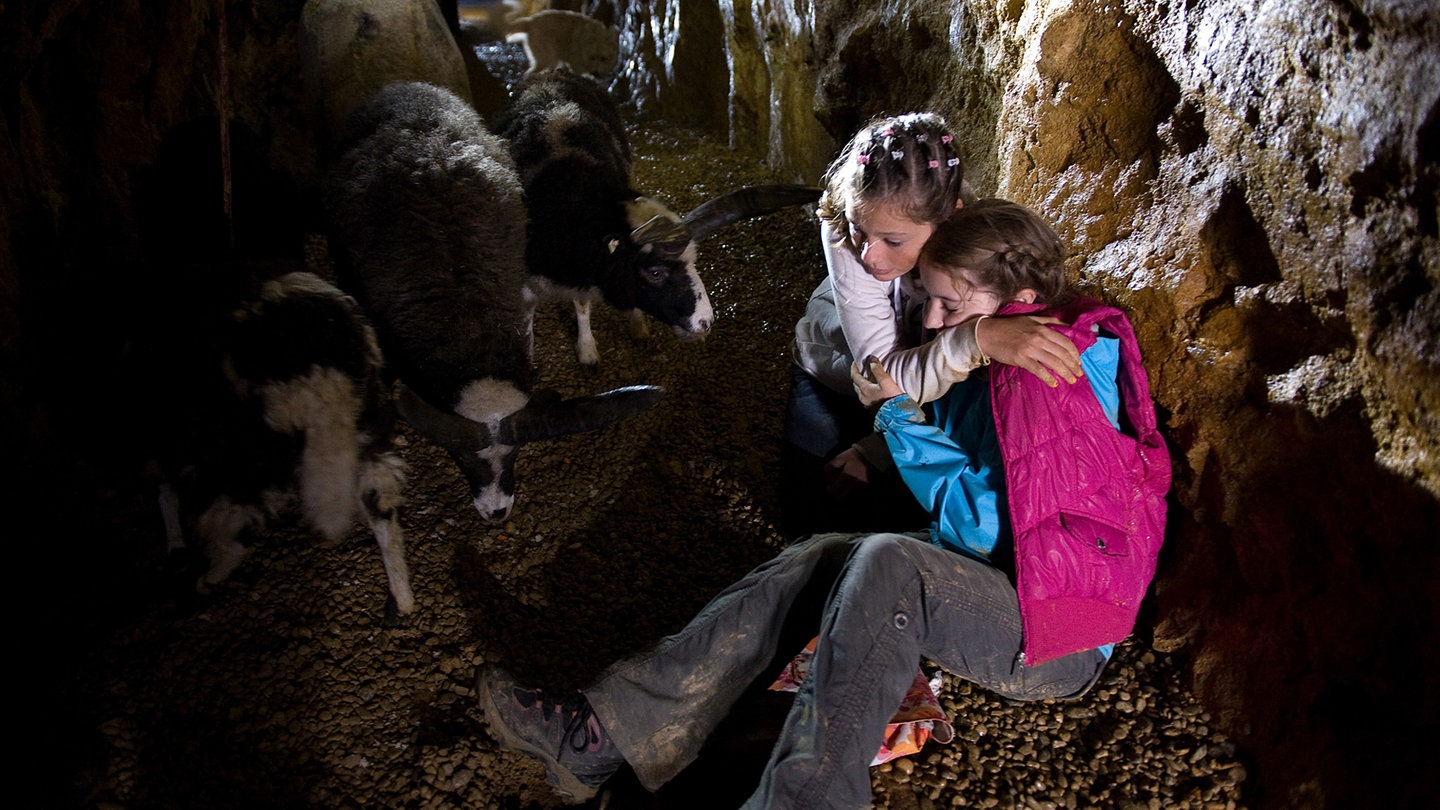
pixel 286 688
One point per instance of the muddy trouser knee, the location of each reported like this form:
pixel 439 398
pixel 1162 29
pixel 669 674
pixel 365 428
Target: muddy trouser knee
pixel 659 707
pixel 899 600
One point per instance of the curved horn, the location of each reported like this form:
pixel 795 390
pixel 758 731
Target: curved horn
pixel 751 201
pixel 445 428
pixel 549 421
pixel 664 233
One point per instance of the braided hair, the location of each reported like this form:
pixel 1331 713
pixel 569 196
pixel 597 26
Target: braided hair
pixel 906 161
pixel 1004 247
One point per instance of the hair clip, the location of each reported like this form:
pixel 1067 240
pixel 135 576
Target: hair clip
pixel 897 154
pixel 862 159
pixel 920 137
pixel 934 164
pixel 946 138
pixel 953 162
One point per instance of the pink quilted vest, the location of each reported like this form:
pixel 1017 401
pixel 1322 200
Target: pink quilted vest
pixel 1087 503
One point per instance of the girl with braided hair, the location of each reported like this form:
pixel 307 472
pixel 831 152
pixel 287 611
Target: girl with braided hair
pixel 1047 510
pixel 886 191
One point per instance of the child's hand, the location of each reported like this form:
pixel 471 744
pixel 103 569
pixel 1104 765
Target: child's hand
pixel 846 474
pixel 1027 342
pixel 873 384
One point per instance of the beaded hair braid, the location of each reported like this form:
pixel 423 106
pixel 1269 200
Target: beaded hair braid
pixel 1003 247
pixel 909 161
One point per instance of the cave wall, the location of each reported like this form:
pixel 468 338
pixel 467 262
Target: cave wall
pixel 1255 182
pixel 98 100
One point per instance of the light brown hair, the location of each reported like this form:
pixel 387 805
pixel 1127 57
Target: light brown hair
pixel 1004 247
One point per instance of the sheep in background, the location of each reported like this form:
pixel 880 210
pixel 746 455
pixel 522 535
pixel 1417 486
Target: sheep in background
pixel 428 232
pixel 352 48
pixel 283 406
pixel 486 18
pixel 556 38
pixel 592 236
pixel 526 8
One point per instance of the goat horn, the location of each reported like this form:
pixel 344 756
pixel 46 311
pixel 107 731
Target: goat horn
pixel 443 427
pixel 751 201
pixel 548 421
pixel 663 233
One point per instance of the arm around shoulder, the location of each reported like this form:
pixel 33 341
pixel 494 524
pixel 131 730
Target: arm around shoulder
pixel 926 372
pixel 866 313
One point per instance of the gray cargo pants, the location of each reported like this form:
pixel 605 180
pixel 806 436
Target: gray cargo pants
pixel 880 603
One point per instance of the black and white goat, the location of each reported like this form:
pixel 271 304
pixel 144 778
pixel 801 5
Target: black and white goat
pixel 593 237
pixel 428 231
pixel 287 405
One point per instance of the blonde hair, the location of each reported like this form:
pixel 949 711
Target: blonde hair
pixel 906 161
pixel 1004 247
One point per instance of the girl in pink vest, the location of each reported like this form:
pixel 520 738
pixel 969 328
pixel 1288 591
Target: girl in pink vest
pixel 1047 510
pixel 1049 486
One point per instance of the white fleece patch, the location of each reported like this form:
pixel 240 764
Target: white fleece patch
pixel 489 400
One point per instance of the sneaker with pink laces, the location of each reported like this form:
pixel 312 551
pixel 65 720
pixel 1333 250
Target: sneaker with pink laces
pixel 564 735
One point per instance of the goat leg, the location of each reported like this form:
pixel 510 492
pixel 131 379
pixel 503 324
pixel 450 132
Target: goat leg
pixel 382 485
pixel 220 529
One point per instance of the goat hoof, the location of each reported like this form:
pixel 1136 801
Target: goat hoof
pixel 393 616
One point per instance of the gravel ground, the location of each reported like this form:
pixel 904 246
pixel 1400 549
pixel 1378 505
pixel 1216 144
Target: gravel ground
pixel 284 689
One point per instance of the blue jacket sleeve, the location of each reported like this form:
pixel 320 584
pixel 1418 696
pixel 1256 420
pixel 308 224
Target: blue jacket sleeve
pixel 952 480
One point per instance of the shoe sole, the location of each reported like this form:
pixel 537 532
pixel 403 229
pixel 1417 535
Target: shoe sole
pixel 570 788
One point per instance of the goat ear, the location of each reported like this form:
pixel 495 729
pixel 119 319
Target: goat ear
pixel 449 430
pixel 751 201
pixel 611 245
pixel 551 420
pixel 664 233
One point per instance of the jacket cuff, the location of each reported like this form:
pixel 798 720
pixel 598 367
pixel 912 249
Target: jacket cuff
pixel 896 411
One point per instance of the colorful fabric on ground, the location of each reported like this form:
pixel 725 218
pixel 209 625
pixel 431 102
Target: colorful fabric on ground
pixel 918 720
